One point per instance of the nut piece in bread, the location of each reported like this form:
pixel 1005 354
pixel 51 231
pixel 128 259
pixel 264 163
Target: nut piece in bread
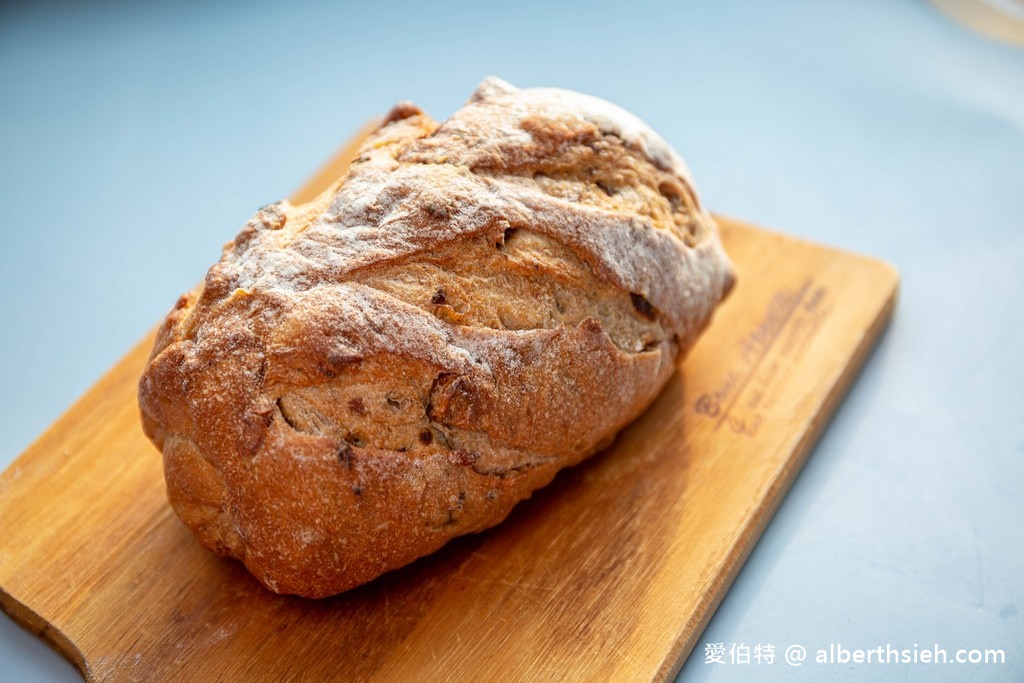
pixel 472 307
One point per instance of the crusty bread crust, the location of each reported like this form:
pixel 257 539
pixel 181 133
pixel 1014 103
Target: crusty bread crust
pixel 473 307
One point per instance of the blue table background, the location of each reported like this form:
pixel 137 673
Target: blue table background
pixel 135 138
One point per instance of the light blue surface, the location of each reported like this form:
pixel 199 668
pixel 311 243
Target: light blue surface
pixel 135 138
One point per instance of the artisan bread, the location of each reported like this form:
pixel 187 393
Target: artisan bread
pixel 474 306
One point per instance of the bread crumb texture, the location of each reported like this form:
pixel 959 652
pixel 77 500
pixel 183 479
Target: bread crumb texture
pixel 472 307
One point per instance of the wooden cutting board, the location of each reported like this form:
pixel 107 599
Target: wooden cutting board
pixel 610 573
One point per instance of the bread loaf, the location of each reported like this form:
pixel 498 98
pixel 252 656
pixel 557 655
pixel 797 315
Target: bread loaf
pixel 474 306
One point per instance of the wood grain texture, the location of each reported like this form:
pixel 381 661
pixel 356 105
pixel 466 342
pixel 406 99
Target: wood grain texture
pixel 610 573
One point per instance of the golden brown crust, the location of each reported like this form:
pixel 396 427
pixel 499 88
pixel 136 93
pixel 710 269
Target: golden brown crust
pixel 473 307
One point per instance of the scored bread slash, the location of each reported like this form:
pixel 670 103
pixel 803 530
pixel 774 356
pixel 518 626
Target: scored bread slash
pixel 472 307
